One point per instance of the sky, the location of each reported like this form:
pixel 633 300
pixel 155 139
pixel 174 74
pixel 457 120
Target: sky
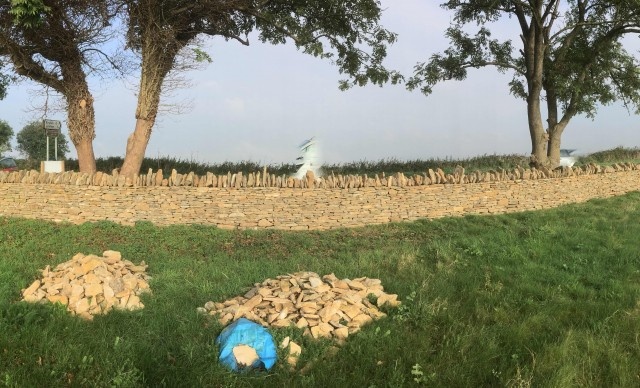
pixel 258 103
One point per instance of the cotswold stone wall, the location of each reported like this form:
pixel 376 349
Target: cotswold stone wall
pixel 263 201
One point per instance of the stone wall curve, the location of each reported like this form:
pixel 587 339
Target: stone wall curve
pixel 301 208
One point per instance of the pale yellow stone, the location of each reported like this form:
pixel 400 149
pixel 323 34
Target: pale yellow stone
pixel 351 310
pixel 302 323
pixel 341 284
pixel 281 323
pixel 285 342
pixel 123 294
pixel 245 355
pixel 294 349
pixel 32 288
pixel 356 285
pixel 253 302
pixel 77 290
pixel 81 306
pixel 390 299
pixel 133 303
pixel 93 289
pixel 264 291
pixel 315 281
pixel 130 282
pixel 91 278
pixel 361 319
pixel 32 298
pixel 107 291
pixel 112 255
pixel 341 333
pixel 90 265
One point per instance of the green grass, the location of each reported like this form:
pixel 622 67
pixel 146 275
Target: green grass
pixel 547 298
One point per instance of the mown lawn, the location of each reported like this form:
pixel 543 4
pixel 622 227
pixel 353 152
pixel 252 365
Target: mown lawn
pixel 547 298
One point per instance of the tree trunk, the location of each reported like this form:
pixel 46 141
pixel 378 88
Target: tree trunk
pixel 539 137
pixel 555 135
pixel 534 53
pixel 136 147
pixel 158 57
pixel 81 122
pixel 148 102
pixel 86 157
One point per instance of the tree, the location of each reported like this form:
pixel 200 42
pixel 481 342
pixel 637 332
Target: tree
pixel 57 43
pixel 346 31
pixel 6 133
pixel 571 58
pixel 4 82
pixel 32 142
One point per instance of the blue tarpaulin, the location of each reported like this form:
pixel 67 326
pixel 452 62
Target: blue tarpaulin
pixel 246 332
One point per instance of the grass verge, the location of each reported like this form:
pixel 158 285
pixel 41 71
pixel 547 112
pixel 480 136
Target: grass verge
pixel 547 298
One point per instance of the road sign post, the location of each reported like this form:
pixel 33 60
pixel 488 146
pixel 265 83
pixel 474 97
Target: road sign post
pixel 52 129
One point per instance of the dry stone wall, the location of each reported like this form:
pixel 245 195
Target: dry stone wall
pixel 260 200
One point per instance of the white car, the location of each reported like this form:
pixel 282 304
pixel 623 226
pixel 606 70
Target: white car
pixel 566 160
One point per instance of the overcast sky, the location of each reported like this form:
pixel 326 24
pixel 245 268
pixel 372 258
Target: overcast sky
pixel 260 102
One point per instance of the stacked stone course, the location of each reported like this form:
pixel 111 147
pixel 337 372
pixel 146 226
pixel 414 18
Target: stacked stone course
pixel 260 200
pixel 264 179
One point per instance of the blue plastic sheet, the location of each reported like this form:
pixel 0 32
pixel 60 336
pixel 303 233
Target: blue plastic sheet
pixel 246 332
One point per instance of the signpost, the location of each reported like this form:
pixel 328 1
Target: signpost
pixel 52 129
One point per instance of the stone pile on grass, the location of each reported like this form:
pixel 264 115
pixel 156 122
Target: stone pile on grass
pixel 89 284
pixel 325 306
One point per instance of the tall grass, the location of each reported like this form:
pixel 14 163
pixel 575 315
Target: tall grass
pixel 547 298
pixel 615 155
pixel 387 166
pixel 183 166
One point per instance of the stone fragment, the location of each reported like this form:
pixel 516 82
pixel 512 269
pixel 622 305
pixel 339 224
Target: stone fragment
pixel 341 333
pixel 93 289
pixel 390 299
pixel 315 281
pixel 32 288
pixel 245 355
pixel 294 353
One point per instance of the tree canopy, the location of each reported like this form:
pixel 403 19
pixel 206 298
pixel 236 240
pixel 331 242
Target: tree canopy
pixel 32 142
pixel 345 31
pixel 6 133
pixel 4 82
pixel 570 58
pixel 58 43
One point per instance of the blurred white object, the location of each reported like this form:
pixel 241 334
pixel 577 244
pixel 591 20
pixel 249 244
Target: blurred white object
pixel 566 160
pixel 309 159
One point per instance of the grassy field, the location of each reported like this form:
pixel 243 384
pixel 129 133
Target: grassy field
pixel 547 298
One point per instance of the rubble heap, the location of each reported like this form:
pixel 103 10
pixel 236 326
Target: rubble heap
pixel 90 285
pixel 323 306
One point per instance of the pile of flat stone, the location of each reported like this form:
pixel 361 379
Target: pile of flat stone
pixel 325 306
pixel 89 284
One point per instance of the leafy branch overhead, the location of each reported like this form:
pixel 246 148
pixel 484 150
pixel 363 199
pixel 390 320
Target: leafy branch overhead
pixel 28 13
pixel 466 52
pixel 346 31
